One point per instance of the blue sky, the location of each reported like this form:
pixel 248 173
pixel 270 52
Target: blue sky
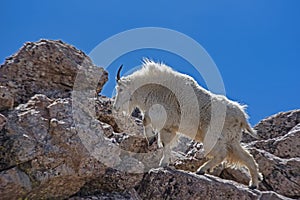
pixel 255 44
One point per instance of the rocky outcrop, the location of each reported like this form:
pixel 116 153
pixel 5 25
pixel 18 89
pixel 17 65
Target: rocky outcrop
pixel 59 140
pixel 174 184
pixel 275 126
pixel 45 67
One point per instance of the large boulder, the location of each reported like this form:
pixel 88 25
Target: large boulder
pixel 46 67
pixel 275 126
pixel 45 154
pixel 174 184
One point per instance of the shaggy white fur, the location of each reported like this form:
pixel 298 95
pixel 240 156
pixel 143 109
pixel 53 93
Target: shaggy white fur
pixel 187 108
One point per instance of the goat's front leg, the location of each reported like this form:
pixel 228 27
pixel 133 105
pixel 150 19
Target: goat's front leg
pixel 148 130
pixel 166 159
pixel 166 138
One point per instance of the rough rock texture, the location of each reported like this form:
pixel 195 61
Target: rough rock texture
pixel 6 98
pixel 45 67
pixel 276 125
pixel 58 140
pixel 173 184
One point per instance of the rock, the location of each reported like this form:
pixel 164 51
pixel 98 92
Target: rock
pixel 56 158
pixel 14 183
pixel 137 113
pixel 174 184
pixel 278 153
pixel 59 140
pixel 3 121
pixel 286 146
pixel 274 126
pixel 105 114
pixel 280 175
pixel 6 98
pixel 119 123
pixel 271 195
pixel 106 196
pixel 48 67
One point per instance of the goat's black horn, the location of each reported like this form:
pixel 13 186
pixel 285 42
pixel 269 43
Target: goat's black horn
pixel 118 73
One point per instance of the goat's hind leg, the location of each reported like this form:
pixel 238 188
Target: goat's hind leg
pixel 217 155
pixel 243 156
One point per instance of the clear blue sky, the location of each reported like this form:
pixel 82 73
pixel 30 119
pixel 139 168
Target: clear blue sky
pixel 255 44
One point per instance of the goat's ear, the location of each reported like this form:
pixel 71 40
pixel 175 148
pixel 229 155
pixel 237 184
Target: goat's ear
pixel 118 73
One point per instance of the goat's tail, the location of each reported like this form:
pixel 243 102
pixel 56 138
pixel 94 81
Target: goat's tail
pixel 247 128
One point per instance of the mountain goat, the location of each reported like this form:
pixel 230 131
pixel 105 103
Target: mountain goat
pixel 168 100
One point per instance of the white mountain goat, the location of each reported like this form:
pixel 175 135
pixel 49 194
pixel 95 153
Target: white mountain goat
pixel 168 100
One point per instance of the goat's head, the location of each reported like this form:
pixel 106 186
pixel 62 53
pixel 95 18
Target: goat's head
pixel 123 94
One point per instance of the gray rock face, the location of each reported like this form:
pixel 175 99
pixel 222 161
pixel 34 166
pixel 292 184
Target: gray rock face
pixel 276 125
pixel 45 155
pixel 45 67
pixel 173 184
pixel 6 98
pixel 59 140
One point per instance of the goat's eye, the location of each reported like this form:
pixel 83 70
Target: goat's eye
pixel 120 90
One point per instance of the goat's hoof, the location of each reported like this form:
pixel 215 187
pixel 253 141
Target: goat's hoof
pixel 252 187
pixel 200 172
pixel 151 140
